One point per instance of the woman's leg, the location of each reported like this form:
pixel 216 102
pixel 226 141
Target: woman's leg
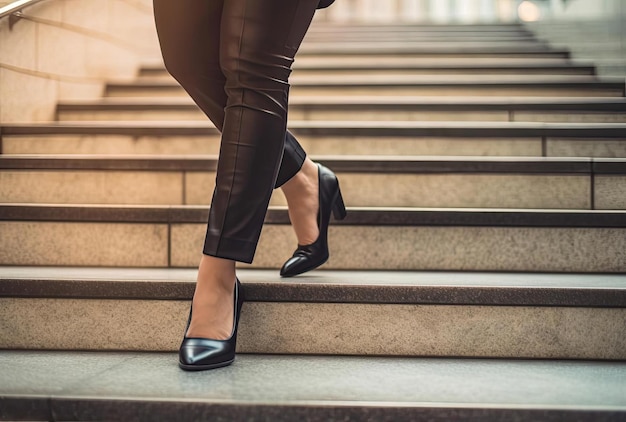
pixel 189 37
pixel 302 194
pixel 189 34
pixel 254 65
pixel 258 41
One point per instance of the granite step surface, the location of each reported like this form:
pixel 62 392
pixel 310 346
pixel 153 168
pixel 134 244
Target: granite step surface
pixel 434 37
pixel 451 49
pixel 504 315
pixel 440 64
pixel 326 138
pixel 328 68
pixel 375 238
pixel 462 182
pixel 150 387
pixel 402 42
pixel 401 108
pixel 421 85
pixel 423 27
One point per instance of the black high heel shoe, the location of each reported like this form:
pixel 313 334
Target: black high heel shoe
pixel 198 354
pixel 309 257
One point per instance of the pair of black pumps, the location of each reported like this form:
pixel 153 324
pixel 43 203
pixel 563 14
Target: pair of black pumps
pixel 197 354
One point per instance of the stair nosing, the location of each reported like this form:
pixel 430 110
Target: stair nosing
pixel 318 287
pixel 331 128
pixel 603 83
pixel 589 105
pixel 344 164
pixel 357 216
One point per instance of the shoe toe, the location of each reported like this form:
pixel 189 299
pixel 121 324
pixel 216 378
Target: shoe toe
pixel 293 266
pixel 200 352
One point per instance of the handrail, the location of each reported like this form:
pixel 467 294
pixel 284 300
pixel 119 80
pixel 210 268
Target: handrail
pixel 16 6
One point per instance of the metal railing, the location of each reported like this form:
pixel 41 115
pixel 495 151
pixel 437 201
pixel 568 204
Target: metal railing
pixel 67 50
pixel 15 7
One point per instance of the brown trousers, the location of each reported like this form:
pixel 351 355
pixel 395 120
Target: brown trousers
pixel 234 57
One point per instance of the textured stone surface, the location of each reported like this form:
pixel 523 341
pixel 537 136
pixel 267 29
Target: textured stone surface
pixel 91 187
pixel 610 192
pixel 51 243
pixel 363 145
pixel 431 330
pixel 556 147
pixel 324 328
pixel 469 90
pixel 436 248
pixel 314 388
pixel 199 187
pixel 467 190
pixel 102 324
pixel 109 144
pixel 307 114
pixel 580 117
pixel 104 115
pixel 374 115
pixel 438 190
pixel 275 245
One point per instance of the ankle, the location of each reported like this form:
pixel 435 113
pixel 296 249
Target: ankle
pixel 304 181
pixel 218 272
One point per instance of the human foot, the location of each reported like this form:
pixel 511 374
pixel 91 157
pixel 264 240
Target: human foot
pixel 302 194
pixel 212 315
pixel 311 255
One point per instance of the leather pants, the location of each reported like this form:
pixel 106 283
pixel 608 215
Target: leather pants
pixel 234 57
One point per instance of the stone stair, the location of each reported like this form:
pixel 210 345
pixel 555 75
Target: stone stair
pixel 478 276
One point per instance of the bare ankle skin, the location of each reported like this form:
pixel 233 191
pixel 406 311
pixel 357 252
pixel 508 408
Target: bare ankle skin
pixel 302 193
pixel 213 313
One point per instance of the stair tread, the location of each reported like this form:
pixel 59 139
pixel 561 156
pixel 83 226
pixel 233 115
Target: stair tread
pixel 520 129
pixel 452 48
pixel 271 387
pixel 368 216
pixel 414 80
pixel 305 62
pixel 339 163
pixel 380 287
pixel 520 103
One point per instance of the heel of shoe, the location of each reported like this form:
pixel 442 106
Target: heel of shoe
pixel 339 208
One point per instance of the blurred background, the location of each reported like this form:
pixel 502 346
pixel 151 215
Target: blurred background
pixel 60 49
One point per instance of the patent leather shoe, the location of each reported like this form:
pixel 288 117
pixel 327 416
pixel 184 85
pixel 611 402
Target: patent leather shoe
pixel 309 257
pixel 198 354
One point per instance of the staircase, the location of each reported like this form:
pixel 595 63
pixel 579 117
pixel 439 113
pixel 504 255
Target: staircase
pixel 479 274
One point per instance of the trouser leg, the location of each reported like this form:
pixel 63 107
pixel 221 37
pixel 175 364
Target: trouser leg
pixel 189 35
pixel 247 47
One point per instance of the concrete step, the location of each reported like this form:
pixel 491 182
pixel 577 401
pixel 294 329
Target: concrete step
pixel 567 109
pixel 392 68
pixel 453 182
pixel 327 138
pixel 139 387
pixel 435 65
pixel 374 238
pixel 492 85
pixel 400 46
pixel 432 37
pixel 322 26
pixel 400 71
pixel 498 315
pixel 452 51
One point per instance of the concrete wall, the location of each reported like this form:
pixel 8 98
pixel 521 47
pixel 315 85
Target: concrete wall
pixel 65 49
